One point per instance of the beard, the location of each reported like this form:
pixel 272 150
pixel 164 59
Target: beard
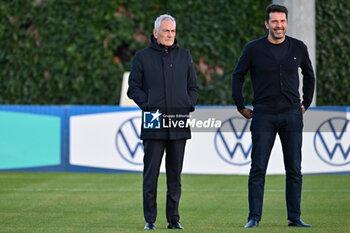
pixel 277 35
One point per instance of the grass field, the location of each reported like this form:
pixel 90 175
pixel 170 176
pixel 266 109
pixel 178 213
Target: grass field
pixel 81 202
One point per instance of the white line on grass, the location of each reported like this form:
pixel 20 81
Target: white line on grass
pixel 140 189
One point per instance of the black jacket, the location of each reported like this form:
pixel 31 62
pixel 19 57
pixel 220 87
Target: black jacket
pixel 272 78
pixel 165 80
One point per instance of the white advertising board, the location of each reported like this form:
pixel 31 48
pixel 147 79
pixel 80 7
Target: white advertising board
pixel 111 141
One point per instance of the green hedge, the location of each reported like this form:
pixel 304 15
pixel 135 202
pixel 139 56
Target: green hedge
pixel 332 52
pixel 52 52
pixel 75 52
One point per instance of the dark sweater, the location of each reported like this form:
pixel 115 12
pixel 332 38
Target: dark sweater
pixel 275 81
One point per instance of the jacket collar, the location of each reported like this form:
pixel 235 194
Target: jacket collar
pixel 154 45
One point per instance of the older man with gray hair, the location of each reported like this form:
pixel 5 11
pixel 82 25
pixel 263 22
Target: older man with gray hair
pixel 163 81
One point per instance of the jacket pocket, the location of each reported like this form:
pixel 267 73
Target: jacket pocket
pixel 189 100
pixel 154 101
pixel 189 104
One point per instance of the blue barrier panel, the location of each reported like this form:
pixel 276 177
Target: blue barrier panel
pixel 31 138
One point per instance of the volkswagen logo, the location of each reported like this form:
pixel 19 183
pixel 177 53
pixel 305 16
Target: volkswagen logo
pixel 332 141
pixel 233 142
pixel 128 143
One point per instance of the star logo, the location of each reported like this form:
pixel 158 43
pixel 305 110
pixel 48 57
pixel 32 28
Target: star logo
pixel 155 115
pixel 151 120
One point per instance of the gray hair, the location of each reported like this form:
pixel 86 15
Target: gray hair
pixel 161 18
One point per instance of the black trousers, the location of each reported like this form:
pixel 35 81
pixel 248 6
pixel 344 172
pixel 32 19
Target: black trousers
pixel 154 150
pixel 264 128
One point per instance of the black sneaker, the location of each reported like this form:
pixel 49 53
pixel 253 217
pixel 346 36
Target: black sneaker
pixel 175 226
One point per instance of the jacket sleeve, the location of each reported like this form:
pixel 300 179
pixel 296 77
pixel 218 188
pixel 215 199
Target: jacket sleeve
pixel 135 90
pixel 238 75
pixel 192 86
pixel 308 78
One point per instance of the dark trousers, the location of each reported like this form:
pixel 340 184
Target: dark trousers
pixel 264 128
pixel 154 150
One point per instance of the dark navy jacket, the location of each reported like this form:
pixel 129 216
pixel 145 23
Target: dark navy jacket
pixel 272 78
pixel 163 79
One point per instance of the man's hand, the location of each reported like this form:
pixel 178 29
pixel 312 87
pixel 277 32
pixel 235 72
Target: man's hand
pixel 303 109
pixel 247 113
